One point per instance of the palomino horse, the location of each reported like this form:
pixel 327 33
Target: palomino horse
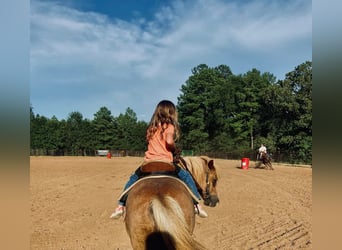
pixel 266 160
pixel 160 212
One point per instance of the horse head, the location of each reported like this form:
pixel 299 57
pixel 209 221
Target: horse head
pixel 204 173
pixel 209 195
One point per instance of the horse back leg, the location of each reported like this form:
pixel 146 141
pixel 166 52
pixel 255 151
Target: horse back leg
pixel 270 165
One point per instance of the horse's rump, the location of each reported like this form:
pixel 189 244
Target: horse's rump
pixel 160 215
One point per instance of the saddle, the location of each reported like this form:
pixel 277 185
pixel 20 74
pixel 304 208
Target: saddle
pixel 157 167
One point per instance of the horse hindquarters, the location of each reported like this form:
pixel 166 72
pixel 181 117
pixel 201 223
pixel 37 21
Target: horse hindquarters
pixel 160 215
pixel 170 223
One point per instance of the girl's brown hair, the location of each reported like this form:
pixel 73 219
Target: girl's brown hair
pixel 164 114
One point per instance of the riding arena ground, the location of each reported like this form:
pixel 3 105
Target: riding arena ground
pixel 71 199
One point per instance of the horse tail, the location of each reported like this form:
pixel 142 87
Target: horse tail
pixel 170 222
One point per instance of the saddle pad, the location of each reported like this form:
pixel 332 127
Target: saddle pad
pixel 159 176
pixel 157 166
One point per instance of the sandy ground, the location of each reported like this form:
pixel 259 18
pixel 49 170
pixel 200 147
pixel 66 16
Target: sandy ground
pixel 73 197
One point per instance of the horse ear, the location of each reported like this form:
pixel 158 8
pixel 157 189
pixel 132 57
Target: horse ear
pixel 210 162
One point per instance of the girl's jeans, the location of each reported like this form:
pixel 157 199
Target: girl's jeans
pixel 182 174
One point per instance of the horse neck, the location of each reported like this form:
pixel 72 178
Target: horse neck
pixel 199 175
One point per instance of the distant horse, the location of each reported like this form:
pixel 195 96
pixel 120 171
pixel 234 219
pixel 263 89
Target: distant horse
pixel 266 160
pixel 160 212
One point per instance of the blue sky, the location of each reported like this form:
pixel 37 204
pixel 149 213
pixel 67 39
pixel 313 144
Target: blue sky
pixel 87 54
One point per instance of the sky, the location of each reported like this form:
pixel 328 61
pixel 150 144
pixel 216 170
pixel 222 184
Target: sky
pixel 88 54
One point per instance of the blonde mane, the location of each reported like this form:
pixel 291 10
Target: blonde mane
pixel 204 172
pixel 197 167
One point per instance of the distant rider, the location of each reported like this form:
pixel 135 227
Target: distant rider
pixel 262 149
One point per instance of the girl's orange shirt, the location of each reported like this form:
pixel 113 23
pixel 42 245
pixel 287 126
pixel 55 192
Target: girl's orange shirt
pixel 156 149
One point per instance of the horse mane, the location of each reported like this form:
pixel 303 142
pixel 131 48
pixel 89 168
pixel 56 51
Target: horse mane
pixel 197 168
pixel 175 235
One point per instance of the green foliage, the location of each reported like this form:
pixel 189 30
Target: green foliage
pixel 103 125
pixel 289 106
pixel 218 112
pixel 130 134
pixel 224 112
pixel 78 136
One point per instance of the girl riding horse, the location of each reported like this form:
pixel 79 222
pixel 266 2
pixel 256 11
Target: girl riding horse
pixel 162 133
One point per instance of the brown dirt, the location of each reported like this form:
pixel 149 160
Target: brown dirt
pixel 73 197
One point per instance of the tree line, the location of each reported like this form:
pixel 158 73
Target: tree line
pixel 220 114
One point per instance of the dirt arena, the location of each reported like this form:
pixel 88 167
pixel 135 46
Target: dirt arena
pixel 73 197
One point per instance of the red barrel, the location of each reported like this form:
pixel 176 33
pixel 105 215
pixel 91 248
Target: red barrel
pixel 109 155
pixel 245 163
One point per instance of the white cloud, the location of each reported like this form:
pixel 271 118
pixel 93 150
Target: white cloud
pixel 97 61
